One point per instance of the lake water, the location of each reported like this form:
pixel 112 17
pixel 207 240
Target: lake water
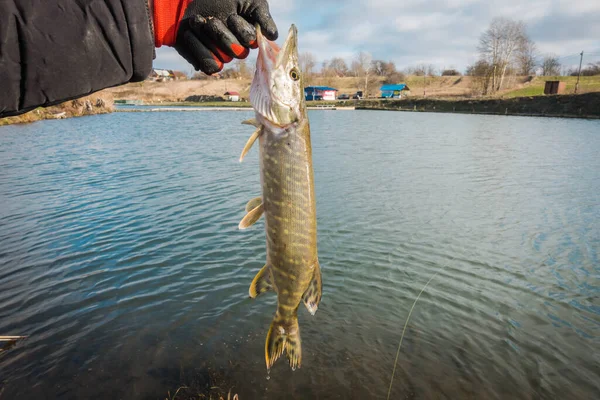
pixel 120 258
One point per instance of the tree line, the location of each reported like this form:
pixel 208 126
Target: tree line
pixel 504 50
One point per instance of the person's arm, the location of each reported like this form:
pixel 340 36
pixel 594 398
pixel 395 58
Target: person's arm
pixel 53 51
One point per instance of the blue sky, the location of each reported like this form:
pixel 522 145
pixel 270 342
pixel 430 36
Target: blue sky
pixel 410 32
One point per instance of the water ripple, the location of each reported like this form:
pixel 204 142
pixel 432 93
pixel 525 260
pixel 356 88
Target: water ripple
pixel 121 259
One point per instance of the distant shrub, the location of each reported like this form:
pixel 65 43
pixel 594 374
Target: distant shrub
pixel 588 70
pixel 202 98
pixel 394 77
pixel 450 72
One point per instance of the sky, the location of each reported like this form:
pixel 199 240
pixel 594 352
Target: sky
pixel 412 32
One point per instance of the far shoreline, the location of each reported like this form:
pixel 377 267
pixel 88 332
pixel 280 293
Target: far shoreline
pixel 583 106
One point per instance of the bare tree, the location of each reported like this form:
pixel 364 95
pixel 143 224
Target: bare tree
pixel 378 67
pixel 387 70
pixel 251 67
pixel 498 46
pixel 526 56
pixel 481 77
pixel 418 70
pixel 550 66
pixel 422 69
pixel 394 77
pixel 355 68
pixel 242 69
pixel 338 66
pixel 307 63
pixel 363 60
pixel 325 70
pixel 591 69
pixel 451 72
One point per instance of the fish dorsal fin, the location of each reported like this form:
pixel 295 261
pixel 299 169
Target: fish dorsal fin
pixel 312 295
pixel 262 282
pixel 252 216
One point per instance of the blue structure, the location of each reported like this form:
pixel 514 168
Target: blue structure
pixel 319 93
pixel 393 91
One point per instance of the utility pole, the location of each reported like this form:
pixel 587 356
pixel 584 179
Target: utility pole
pixel 579 73
pixel 424 76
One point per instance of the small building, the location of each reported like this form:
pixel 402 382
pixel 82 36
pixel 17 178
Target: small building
pixel 232 96
pixel 161 75
pixel 394 91
pixel 320 93
pixel 554 87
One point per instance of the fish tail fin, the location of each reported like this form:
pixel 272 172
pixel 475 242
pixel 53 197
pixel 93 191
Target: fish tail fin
pixel 284 335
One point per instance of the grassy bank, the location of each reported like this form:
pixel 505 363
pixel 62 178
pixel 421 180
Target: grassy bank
pixel 175 92
pixel 568 106
pixel 98 103
pixel 587 84
pixel 232 104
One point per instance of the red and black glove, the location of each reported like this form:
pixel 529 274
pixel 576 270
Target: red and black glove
pixel 209 33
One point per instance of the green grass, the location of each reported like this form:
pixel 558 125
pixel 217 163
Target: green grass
pixel 536 86
pixel 525 92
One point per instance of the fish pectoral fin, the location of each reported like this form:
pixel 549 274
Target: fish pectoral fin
pixel 284 336
pixel 252 204
pixel 249 143
pixel 251 121
pixel 262 282
pixel 252 216
pixel 312 295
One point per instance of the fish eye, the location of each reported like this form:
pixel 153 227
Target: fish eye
pixel 294 74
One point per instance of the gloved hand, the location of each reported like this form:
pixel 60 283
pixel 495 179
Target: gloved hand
pixel 208 33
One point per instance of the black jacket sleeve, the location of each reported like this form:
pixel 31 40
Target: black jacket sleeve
pixel 53 51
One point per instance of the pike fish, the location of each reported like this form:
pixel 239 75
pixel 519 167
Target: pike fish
pixel 292 269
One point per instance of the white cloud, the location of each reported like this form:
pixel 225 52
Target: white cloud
pixel 407 23
pixel 574 7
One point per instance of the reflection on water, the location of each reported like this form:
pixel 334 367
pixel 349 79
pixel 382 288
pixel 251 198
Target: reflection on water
pixel 121 260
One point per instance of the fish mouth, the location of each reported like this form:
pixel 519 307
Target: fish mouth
pixel 272 55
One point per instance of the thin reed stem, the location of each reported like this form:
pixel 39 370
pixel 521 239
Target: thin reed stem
pixel 404 330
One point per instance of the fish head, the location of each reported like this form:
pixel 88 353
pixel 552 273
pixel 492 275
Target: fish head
pixel 277 93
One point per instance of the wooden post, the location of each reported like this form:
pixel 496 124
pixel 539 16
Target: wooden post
pixel 579 73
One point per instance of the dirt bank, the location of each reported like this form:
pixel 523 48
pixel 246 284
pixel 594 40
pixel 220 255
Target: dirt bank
pixel 98 103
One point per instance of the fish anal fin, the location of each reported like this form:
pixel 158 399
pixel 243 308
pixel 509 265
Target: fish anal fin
pixel 312 295
pixel 249 143
pixel 262 282
pixel 252 216
pixel 252 204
